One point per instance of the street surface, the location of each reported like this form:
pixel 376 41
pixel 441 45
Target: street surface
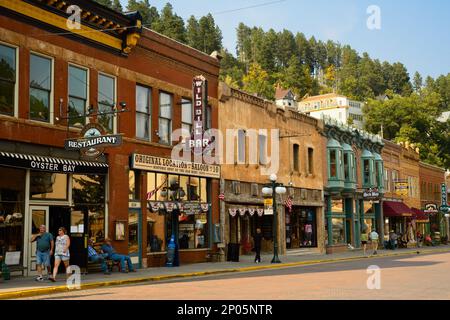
pixel 410 277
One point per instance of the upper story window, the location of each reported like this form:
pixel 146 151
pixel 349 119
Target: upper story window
pixel 165 118
pixel 77 96
pixel 241 146
pixel 387 180
pixel 143 112
pixel 8 80
pixel 296 152
pixel 262 140
pixel 186 116
pixel 310 161
pixel 106 101
pixel 333 163
pixel 40 87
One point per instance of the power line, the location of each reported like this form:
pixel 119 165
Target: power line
pixel 249 7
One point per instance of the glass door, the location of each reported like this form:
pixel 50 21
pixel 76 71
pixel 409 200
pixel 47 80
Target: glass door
pixel 135 236
pixel 39 216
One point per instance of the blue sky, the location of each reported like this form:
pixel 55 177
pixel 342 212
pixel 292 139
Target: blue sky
pixel 414 32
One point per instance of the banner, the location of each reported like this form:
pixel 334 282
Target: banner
pixel 232 211
pixel 242 211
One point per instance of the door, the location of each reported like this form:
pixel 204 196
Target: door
pixel 39 216
pixel 59 217
pixel 135 236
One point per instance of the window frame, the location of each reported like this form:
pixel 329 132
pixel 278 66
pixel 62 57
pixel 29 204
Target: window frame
pixel 148 114
pixel 310 161
pixel 52 86
pixel 104 74
pixel 169 143
pixel 262 154
pixel 184 123
pixel 296 157
pixel 86 103
pixel 241 146
pixel 16 80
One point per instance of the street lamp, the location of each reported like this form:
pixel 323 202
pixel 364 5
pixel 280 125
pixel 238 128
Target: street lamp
pixel 175 193
pixel 447 222
pixel 272 190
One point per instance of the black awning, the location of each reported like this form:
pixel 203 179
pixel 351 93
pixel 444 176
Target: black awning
pixel 51 164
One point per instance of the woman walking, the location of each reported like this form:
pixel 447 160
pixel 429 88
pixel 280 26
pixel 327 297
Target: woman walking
pixel 364 239
pixel 62 253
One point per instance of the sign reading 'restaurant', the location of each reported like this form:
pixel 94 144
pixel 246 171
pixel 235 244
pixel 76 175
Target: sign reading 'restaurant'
pixel 157 164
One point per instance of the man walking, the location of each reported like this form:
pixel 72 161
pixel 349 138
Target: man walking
pixel 257 238
pixel 44 249
pixel 374 240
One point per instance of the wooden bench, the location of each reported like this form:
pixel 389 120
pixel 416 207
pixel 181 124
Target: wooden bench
pixel 212 256
pixel 94 267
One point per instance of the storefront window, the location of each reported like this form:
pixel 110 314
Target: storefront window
pixel 338 230
pixel 194 189
pixel 88 193
pixel 337 206
pixel 133 182
pixel 193 231
pixel 184 184
pixel 133 232
pixel 155 232
pixel 161 186
pixel 368 224
pixel 204 192
pixel 48 186
pixel 12 209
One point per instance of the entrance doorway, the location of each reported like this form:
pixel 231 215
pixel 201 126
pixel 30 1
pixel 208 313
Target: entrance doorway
pixel 39 216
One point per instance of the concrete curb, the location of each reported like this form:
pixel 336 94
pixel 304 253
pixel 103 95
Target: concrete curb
pixel 92 285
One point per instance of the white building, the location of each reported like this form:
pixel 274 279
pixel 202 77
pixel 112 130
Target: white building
pixel 285 98
pixel 334 106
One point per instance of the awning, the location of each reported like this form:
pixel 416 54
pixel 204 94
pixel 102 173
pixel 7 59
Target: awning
pixel 51 164
pixel 396 209
pixel 420 216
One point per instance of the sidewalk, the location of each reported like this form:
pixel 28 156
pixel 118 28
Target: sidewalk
pixel 19 287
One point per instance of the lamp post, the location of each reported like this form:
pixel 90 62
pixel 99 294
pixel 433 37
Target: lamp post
pixel 272 190
pixel 175 193
pixel 446 222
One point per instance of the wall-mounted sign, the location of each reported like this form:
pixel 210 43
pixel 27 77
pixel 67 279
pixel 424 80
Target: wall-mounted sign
pixel 157 164
pixel 268 201
pixel 444 194
pixel 431 208
pixel 93 141
pixel 200 99
pixel 401 187
pixel 371 193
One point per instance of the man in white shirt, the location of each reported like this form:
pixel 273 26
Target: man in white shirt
pixel 374 240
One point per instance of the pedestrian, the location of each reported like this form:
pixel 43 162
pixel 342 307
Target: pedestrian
pixel 44 250
pixel 257 239
pixel 393 240
pixel 61 252
pixel 364 239
pixel 374 240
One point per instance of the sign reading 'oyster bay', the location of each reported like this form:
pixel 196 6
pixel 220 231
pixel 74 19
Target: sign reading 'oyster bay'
pixel 157 164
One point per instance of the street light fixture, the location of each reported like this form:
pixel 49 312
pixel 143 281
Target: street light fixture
pixel 272 190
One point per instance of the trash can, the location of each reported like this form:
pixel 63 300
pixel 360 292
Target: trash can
pixel 233 252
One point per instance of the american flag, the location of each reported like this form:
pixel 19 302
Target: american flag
pixel 288 203
pixel 152 193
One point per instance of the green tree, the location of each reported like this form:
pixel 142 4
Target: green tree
pixel 149 13
pixel 284 48
pixel 297 77
pixel 170 24
pixel 116 5
pixel 193 34
pixel 210 34
pixel 257 82
pixel 106 3
pixel 231 70
pixel 417 82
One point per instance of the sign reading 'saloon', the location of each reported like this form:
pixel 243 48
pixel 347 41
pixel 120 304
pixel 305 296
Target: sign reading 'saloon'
pixel 157 164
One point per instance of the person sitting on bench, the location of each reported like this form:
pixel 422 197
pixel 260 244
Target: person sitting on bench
pixel 94 257
pixel 113 255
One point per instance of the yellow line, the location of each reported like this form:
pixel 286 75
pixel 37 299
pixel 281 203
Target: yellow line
pixel 92 285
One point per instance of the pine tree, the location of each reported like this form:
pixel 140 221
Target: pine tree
pixel 170 24
pixel 193 36
pixel 210 34
pixel 257 82
pixel 417 82
pixel 150 14
pixel 116 5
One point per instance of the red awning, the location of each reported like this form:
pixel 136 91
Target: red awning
pixel 420 216
pixel 396 209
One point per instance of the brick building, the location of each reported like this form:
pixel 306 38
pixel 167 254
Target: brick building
pixel 136 84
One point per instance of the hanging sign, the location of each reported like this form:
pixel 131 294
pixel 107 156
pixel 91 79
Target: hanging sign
pixel 371 193
pixel 431 208
pixel 444 194
pixel 93 141
pixel 268 201
pixel 401 187
pixel 200 96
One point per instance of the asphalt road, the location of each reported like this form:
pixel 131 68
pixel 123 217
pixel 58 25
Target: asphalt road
pixel 410 277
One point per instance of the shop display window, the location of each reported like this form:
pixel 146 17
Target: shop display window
pixel 338 230
pixel 48 186
pixel 12 208
pixel 193 231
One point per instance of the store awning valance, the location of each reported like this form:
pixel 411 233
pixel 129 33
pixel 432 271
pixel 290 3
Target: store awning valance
pixel 51 164
pixel 396 209
pixel 420 216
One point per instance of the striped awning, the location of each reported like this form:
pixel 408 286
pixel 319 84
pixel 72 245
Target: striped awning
pixel 51 164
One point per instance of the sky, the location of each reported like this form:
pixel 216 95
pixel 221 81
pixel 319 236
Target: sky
pixel 414 32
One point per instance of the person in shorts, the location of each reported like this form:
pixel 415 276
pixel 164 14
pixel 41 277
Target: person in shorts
pixel 364 240
pixel 44 250
pixel 61 252
pixel 374 240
